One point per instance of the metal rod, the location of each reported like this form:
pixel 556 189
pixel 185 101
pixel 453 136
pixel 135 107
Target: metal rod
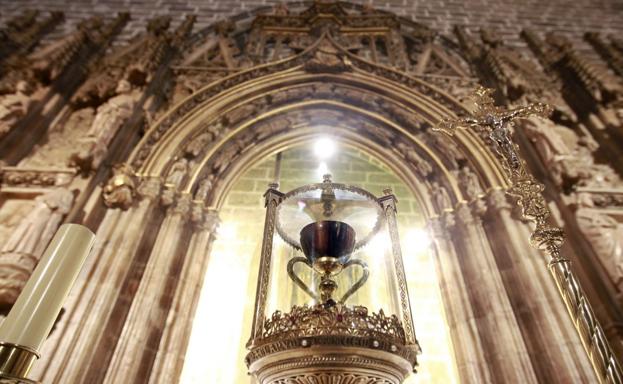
pixel 388 202
pixel 277 170
pixel 492 121
pixel 272 199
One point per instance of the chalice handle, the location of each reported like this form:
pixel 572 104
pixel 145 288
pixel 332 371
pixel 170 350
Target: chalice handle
pixel 362 280
pixel 296 279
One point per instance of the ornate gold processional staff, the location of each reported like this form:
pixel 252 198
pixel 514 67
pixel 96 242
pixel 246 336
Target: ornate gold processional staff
pixel 493 121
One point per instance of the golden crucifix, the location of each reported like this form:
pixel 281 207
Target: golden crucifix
pixel 495 122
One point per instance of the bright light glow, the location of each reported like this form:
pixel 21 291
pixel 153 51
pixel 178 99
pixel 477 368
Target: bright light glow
pixel 301 205
pixel 378 245
pixel 417 240
pixel 322 169
pixel 227 231
pixel 324 148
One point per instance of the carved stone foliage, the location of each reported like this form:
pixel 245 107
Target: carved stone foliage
pixel 34 178
pixel 22 34
pixel 376 37
pixel 558 56
pixel 134 62
pixel 515 76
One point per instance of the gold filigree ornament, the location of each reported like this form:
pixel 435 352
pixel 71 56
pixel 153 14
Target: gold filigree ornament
pixel 329 341
pixel 492 123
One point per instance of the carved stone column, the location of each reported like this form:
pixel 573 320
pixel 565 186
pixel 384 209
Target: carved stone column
pixel 469 354
pixel 88 333
pixel 169 361
pixel 139 340
pixel 540 314
pixel 504 349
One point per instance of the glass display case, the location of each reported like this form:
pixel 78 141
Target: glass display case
pixel 332 298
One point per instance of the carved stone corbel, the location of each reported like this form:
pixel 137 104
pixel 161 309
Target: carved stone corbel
pixel 150 187
pixel 120 190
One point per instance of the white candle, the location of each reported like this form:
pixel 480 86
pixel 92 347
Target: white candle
pixel 37 307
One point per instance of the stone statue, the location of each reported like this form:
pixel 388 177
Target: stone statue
pixel 225 158
pixel 468 180
pixel 604 233
pixel 109 118
pixel 411 156
pixel 440 197
pixel 198 144
pixel 21 252
pixel 580 167
pixel 13 107
pixel 272 128
pixel 177 172
pixel 174 179
pixel 548 138
pixel 205 186
pixel 61 140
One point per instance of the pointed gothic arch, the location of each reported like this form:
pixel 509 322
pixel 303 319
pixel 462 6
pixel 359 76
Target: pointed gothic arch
pixel 241 107
pixel 378 101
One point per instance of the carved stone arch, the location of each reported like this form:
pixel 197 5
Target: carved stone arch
pixel 154 251
pixel 470 148
pixel 343 132
pixel 384 92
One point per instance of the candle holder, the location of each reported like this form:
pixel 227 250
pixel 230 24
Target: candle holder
pixel 31 318
pixel 15 363
pixel 344 316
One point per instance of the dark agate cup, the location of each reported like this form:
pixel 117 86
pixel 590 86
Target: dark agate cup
pixel 327 239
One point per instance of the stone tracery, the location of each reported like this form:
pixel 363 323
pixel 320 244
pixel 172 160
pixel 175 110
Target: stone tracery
pixel 234 94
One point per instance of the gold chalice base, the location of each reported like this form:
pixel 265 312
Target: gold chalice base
pixel 337 344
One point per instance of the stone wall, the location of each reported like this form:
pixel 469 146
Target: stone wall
pixel 572 18
pixel 177 117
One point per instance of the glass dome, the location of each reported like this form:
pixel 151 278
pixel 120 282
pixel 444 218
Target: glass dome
pixel 328 204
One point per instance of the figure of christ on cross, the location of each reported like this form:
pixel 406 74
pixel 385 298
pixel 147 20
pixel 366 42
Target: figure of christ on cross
pixel 495 121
